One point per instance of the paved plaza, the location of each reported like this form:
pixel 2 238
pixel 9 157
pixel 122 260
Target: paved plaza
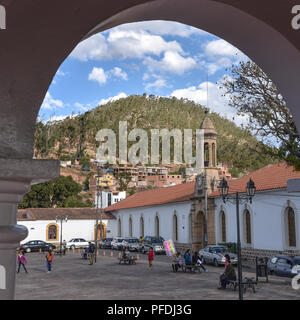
pixel 73 278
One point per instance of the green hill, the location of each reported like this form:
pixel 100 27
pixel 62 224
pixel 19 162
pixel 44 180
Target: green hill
pixel 75 136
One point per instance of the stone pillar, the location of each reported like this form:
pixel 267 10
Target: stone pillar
pixel 16 176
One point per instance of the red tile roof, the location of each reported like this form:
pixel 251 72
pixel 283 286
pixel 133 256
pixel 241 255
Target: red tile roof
pixel 51 213
pixel 178 193
pixel 267 178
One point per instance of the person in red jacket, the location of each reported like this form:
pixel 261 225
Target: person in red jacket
pixel 150 257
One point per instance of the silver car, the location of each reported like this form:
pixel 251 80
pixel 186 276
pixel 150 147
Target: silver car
pixel 132 244
pixel 216 255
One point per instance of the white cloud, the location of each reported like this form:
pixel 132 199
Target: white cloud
pixel 221 48
pixel 159 83
pixel 172 62
pixel 216 101
pixel 51 104
pixel 98 75
pixel 115 98
pixel 121 44
pixel 119 73
pixel 160 27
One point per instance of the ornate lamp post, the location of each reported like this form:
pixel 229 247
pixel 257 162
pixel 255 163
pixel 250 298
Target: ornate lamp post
pixel 237 199
pixel 61 219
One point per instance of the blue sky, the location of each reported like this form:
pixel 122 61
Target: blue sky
pixel 157 57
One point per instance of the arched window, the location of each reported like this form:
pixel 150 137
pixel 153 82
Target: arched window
pixel 156 226
pixel 206 155
pixel 52 232
pixel 119 228
pixel 247 224
pixel 130 227
pixel 175 227
pixel 213 155
pixel 223 226
pixel 142 233
pixel 291 227
pixel 190 228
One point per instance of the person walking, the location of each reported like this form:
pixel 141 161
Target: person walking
pixel 49 260
pixel 150 257
pixel 21 261
pixel 91 252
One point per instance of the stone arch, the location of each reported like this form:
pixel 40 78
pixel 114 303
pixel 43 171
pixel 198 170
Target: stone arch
pixel 101 231
pixel 199 235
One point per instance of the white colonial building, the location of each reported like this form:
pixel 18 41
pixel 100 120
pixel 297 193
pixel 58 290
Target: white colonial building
pixel 271 223
pixel 81 223
pixel 107 198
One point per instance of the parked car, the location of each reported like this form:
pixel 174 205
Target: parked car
pixel 282 266
pixel 77 243
pixel 36 245
pixel 131 243
pixel 105 243
pixel 216 255
pixel 116 243
pixel 156 243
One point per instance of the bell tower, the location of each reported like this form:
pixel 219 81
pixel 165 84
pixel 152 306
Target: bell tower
pixel 202 209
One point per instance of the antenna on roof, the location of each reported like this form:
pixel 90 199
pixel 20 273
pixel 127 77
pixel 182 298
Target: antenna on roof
pixel 207 91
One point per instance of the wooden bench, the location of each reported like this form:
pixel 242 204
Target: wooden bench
pixel 130 260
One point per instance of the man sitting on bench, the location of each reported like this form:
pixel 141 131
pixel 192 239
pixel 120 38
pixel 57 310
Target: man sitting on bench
pixel 229 273
pixel 197 262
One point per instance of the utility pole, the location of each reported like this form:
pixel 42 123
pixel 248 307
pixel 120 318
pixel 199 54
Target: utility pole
pixel 97 206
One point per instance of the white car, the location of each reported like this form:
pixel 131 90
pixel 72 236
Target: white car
pixel 77 243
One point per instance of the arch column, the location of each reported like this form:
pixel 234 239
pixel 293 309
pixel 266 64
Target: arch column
pixel 16 176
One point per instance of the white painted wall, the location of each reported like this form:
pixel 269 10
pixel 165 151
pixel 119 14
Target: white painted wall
pixel 71 229
pixel 165 214
pixel 104 198
pixel 267 220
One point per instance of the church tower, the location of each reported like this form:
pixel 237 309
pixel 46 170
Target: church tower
pixel 202 210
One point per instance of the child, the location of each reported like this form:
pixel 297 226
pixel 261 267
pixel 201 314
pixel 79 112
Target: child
pixel 49 259
pixel 21 261
pixel 150 257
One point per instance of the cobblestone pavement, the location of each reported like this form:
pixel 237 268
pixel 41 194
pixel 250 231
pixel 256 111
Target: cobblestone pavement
pixel 73 278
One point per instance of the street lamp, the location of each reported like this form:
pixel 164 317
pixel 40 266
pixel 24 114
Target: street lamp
pixel 250 192
pixel 61 219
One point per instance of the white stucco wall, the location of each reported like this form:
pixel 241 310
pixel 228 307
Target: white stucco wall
pixel 72 229
pixel 267 220
pixel 165 214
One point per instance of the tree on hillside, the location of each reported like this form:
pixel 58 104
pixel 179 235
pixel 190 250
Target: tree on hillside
pixel 62 192
pixel 123 179
pixel 253 94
